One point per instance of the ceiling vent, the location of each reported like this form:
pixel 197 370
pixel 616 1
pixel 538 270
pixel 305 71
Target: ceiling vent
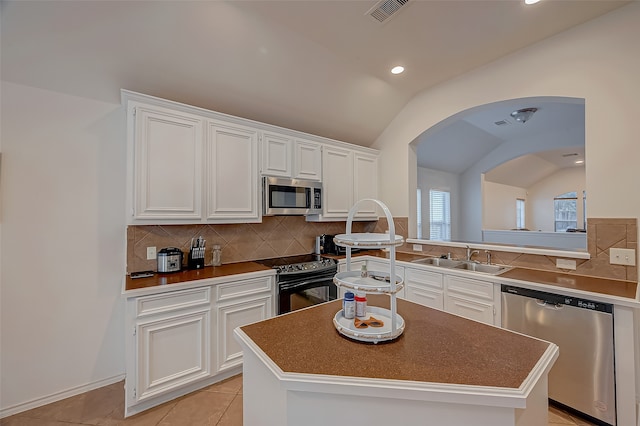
pixel 570 155
pixel 502 123
pixel 385 9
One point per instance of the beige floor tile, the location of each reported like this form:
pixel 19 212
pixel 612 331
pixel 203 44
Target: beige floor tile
pixel 216 405
pixel 27 421
pixel 233 415
pixel 558 417
pixel 202 408
pixel 231 385
pixel 150 417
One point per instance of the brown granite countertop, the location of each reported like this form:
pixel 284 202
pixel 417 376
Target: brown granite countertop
pixel 435 347
pixel 192 275
pixel 606 286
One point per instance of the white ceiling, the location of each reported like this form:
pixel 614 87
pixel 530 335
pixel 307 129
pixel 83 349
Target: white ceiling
pixel 316 66
pixel 473 135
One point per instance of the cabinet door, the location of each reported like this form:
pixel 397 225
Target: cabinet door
pixel 307 162
pixel 383 266
pixel 337 172
pixel 232 173
pixel 236 314
pixel 276 155
pixel 470 298
pixel 167 164
pixel 365 183
pixel 425 288
pixel 356 265
pixel 172 352
pixel 469 308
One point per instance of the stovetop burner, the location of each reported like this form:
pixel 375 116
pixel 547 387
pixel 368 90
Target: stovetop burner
pixel 300 263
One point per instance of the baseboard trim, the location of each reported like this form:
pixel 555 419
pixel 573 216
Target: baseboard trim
pixel 58 396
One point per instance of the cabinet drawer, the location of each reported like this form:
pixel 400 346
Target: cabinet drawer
pixel 475 288
pixel 243 287
pixel 422 278
pixel 166 302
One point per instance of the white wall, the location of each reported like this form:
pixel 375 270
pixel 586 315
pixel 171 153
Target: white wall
pixel 540 207
pixel 596 61
pixel 499 205
pixel 429 179
pixel 62 243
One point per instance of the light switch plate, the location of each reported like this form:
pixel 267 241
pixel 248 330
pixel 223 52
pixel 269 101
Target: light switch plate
pixel 151 253
pixel 417 247
pixel 566 264
pixel 621 256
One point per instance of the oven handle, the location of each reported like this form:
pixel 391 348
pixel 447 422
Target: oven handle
pixel 297 284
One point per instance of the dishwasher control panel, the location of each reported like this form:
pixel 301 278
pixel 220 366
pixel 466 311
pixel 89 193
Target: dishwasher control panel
pixel 557 299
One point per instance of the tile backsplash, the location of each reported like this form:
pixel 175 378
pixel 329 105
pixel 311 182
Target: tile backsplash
pixel 602 235
pixel 275 236
pixel 292 235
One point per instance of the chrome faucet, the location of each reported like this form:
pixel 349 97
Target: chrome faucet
pixel 471 253
pixel 488 253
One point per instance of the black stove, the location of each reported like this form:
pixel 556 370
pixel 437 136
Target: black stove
pixel 303 280
pixel 299 264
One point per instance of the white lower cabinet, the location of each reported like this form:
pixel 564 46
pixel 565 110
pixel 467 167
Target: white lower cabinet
pixel 235 314
pixel 383 266
pixel 181 341
pixel 424 287
pixel 471 298
pixel 173 352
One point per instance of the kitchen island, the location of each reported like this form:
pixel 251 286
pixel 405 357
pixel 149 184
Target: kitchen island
pixel 444 369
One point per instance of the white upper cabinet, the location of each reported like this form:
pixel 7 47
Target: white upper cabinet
pixel 168 164
pixel 188 165
pixel 232 173
pixel 284 156
pixel 276 155
pixel 307 161
pixel 365 183
pixel 337 190
pixel 348 175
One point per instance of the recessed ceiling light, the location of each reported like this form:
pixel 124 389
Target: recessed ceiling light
pixel 397 70
pixel 531 1
pixel 579 161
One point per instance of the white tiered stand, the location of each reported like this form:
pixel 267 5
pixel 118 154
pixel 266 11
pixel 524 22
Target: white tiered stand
pixel 376 282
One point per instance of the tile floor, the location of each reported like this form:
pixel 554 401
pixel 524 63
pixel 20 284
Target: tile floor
pixel 216 405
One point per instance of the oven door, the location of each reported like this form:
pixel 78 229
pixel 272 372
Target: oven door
pixel 306 291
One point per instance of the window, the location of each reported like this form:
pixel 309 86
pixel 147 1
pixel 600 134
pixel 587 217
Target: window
pixel 520 213
pixel 440 215
pixel 419 212
pixel 565 211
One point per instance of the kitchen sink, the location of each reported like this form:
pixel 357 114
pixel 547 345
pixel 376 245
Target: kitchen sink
pixel 462 264
pixel 436 261
pixel 482 267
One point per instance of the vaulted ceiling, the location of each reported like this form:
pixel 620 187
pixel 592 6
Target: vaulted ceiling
pixel 320 67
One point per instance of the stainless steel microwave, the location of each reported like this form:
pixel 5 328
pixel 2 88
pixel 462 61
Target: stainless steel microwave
pixel 281 196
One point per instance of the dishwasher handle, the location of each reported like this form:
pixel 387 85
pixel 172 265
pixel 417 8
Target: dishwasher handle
pixel 550 299
pixel 549 305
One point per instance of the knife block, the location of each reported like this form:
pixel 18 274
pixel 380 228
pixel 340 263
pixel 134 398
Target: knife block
pixel 196 258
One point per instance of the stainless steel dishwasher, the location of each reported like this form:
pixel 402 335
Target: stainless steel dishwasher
pixel 583 376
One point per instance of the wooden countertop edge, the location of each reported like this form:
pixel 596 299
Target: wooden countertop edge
pixel 162 288
pixel 404 389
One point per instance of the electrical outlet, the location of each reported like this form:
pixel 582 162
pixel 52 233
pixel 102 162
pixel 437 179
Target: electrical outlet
pixel 620 256
pixel 151 253
pixel 417 247
pixel 566 264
